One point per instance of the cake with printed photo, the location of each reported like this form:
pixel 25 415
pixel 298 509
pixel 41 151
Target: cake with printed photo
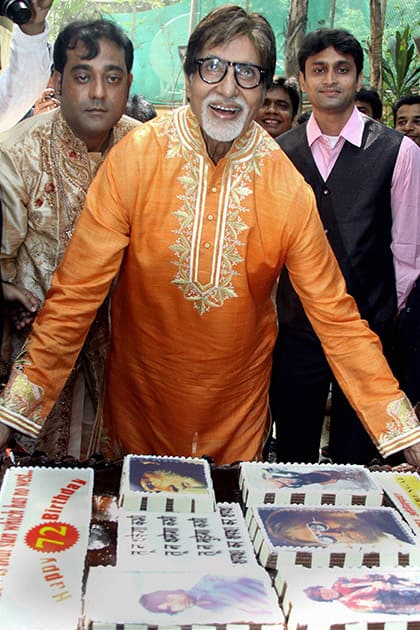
pixel 322 536
pixel 177 599
pixel 345 598
pixel 166 484
pixel 308 484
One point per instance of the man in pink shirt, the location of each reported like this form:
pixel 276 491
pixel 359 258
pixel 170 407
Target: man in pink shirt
pixel 366 181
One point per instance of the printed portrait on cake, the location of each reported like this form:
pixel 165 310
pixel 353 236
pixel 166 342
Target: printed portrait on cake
pixel 167 475
pixel 164 599
pixel 245 595
pixel 371 593
pixel 332 479
pixel 322 527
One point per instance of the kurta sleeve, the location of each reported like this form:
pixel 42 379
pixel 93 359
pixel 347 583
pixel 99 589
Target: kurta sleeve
pixel 25 77
pixel 14 201
pixel 79 287
pixel 353 351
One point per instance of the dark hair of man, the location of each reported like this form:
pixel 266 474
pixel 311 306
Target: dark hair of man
pixel 90 33
pixel 224 24
pixel 342 41
pixel 304 117
pixel 288 85
pixel 409 99
pixel 140 108
pixel 371 96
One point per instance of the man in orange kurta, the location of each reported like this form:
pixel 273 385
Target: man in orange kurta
pixel 197 212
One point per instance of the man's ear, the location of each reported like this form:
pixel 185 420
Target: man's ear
pixel 302 81
pixel 56 81
pixel 359 81
pixel 187 81
pixel 130 80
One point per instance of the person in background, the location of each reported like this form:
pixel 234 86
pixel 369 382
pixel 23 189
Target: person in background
pixel 407 120
pixel 46 165
pixel 278 112
pixel 29 66
pixel 303 117
pixel 47 100
pixel 366 180
pixel 139 108
pixel 369 103
pixel 407 116
pixel 194 215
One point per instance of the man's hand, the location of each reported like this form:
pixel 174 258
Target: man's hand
pixel 36 24
pixel 412 454
pixel 12 293
pixel 4 435
pixel 46 102
pixel 24 313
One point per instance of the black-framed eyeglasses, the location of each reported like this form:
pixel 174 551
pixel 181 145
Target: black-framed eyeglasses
pixel 321 532
pixel 213 70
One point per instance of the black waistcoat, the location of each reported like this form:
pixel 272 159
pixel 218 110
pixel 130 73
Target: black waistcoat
pixel 355 208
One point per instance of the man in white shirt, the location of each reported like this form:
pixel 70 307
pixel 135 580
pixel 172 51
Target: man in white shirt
pixel 29 66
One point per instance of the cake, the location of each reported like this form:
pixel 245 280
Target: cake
pixel 322 536
pixel 166 484
pixel 403 489
pixel 44 526
pixel 366 599
pixel 168 540
pixel 134 599
pixel 308 484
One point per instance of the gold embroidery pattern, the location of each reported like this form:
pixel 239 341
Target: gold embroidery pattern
pixel 21 396
pixel 403 419
pixel 244 161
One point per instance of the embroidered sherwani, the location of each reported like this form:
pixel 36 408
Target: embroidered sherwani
pixel 45 172
pixel 198 248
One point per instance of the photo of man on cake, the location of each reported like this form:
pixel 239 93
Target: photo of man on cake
pixel 318 527
pixel 211 592
pixel 167 475
pixel 287 478
pixel 372 593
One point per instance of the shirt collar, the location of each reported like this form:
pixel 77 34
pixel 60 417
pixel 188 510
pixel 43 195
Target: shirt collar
pixel 352 130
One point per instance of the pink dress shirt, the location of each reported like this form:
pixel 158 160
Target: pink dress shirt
pixel 405 195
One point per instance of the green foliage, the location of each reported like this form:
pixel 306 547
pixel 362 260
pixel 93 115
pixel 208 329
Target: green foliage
pixel 401 70
pixel 64 12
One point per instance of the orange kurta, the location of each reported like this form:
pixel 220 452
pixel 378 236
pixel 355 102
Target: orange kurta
pixel 198 248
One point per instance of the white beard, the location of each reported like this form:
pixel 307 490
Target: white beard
pixel 223 130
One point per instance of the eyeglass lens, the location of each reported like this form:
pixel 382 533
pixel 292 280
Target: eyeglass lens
pixel 213 70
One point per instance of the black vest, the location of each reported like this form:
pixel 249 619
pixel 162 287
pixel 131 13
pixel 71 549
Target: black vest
pixel 355 208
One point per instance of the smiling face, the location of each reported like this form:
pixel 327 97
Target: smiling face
pixel 224 110
pixel 408 121
pixel 276 112
pixel 331 82
pixel 94 92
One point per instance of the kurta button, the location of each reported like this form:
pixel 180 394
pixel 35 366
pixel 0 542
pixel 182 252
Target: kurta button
pixel 214 189
pixel 207 245
pixel 325 191
pixel 210 217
